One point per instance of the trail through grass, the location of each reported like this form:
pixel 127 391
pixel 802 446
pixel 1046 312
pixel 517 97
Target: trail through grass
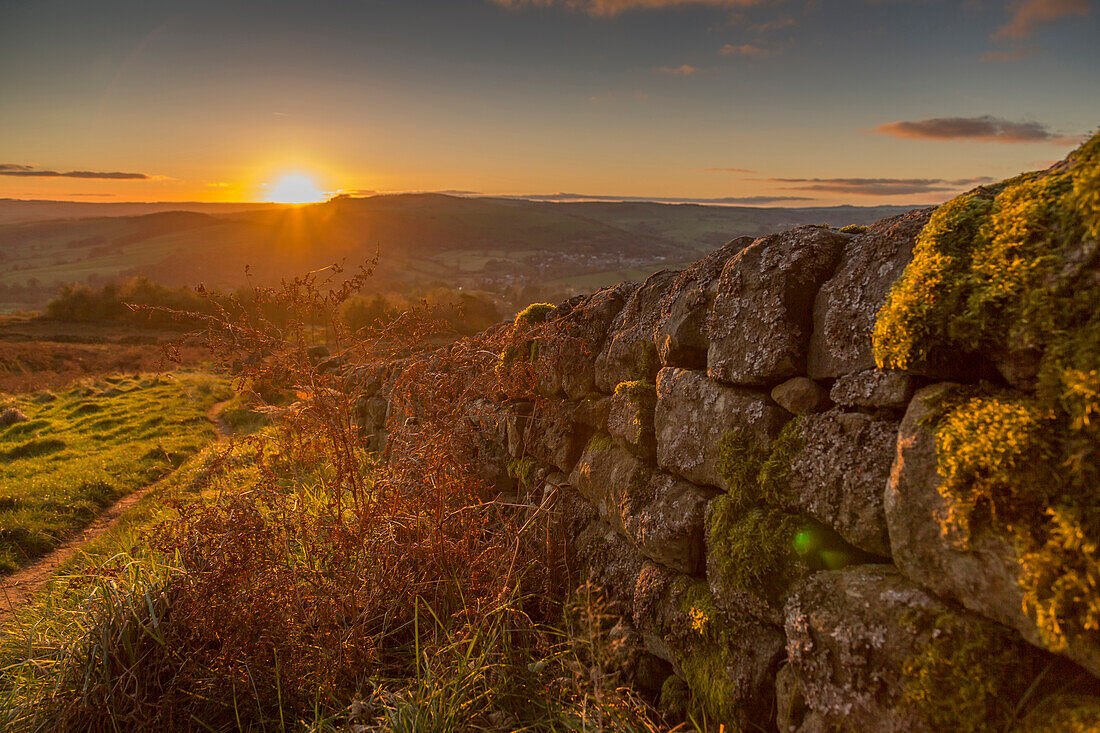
pixel 83 448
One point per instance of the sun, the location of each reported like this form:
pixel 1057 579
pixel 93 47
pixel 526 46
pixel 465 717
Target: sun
pixel 295 188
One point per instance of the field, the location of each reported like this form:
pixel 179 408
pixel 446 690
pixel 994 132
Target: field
pixel 419 239
pixel 80 449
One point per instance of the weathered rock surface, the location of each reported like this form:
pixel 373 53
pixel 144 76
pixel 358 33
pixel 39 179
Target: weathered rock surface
pixel 660 514
pixel 855 638
pixel 838 475
pixel 873 388
pixel 728 659
pixel 799 395
pixel 693 414
pixel 846 305
pixel 981 572
pixel 759 324
pixel 580 326
pixel 555 436
pixel 631 353
pixel 681 331
pixel 630 422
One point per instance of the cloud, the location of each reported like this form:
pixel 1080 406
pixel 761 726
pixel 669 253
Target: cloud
pixel 614 7
pixel 879 186
pixel 1012 54
pixel 14 169
pixel 1028 15
pixel 747 50
pixel 727 200
pixel 985 128
pixel 681 70
pixel 783 21
pixel 729 170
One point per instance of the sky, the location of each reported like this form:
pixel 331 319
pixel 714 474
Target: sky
pixel 768 102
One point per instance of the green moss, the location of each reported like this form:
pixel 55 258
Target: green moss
pixel 534 313
pixel 740 456
pixel 600 442
pixel 522 470
pixel 642 391
pixel 707 662
pixel 1001 273
pixel 752 550
pixel 675 699
pixel 965 678
pixel 1063 713
pixel 854 229
pixel 772 480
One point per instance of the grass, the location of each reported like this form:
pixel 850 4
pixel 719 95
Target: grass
pixel 83 448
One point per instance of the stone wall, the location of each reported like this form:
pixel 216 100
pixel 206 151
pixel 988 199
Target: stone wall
pixel 761 500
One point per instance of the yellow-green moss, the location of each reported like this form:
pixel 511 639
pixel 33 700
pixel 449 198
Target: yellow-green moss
pixel 752 550
pixel 1014 273
pixel 642 391
pixel 522 470
pixel 534 313
pixel 675 699
pixel 739 459
pixel 600 441
pixel 707 662
pixel 854 229
pixel 1063 713
pixel 965 678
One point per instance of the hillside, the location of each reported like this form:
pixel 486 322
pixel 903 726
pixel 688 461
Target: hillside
pixel 482 242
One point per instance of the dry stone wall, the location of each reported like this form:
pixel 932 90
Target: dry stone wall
pixel 760 500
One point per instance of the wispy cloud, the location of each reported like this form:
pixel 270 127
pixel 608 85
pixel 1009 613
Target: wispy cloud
pixel 681 70
pixel 723 200
pixel 986 128
pixel 15 169
pixel 879 186
pixel 783 21
pixel 729 170
pixel 1028 15
pixel 749 50
pixel 1012 54
pixel 614 7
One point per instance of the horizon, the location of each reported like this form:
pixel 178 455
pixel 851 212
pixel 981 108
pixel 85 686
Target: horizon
pixel 721 102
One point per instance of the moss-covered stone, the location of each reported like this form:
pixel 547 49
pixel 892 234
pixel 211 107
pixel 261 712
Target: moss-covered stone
pixel 752 551
pixel 522 470
pixel 965 677
pixel 675 699
pixel 1013 275
pixel 1063 713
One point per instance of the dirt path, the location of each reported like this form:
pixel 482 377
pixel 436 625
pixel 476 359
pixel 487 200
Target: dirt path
pixel 16 588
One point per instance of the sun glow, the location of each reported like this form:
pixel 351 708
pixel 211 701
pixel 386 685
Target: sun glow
pixel 295 188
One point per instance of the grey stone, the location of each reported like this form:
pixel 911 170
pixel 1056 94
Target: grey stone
pixel 873 388
pixel 681 331
pixel 694 413
pixel 800 395
pixel 630 353
pixel 630 423
pixel 660 514
pixel 838 475
pixel 760 321
pixel 847 305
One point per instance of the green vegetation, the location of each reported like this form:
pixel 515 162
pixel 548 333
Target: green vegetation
pixel 854 229
pixel 940 680
pixel 1006 274
pixel 534 313
pixel 1063 713
pixel 752 550
pixel 707 663
pixel 600 441
pixel 83 448
pixel 643 392
pixel 522 470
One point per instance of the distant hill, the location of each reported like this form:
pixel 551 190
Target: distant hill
pixel 476 242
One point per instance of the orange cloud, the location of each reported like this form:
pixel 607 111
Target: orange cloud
pixel 681 70
pixel 614 7
pixel 26 171
pixel 1028 15
pixel 747 50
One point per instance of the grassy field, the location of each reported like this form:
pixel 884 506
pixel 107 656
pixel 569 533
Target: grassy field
pixel 81 449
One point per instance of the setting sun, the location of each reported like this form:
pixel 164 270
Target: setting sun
pixel 296 188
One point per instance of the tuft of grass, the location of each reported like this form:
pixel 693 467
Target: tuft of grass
pixel 854 228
